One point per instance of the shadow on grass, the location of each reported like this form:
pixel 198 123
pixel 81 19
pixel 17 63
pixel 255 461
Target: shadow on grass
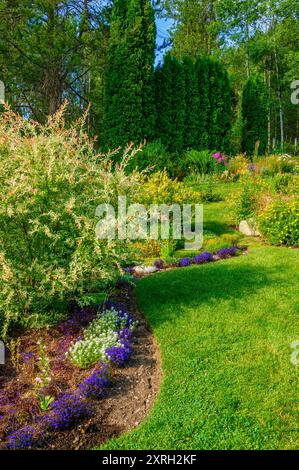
pixel 171 291
pixel 220 228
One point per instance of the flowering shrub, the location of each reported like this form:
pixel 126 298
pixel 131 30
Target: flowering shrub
pixel 185 262
pixel 118 355
pixel 226 252
pixel 109 320
pixel 68 410
pixel 158 188
pixel 21 439
pixel 159 263
pixel 125 335
pixel 204 257
pixel 279 223
pixel 86 352
pixel 221 161
pixel 51 183
pixel 238 165
pixel 99 336
pixel 93 386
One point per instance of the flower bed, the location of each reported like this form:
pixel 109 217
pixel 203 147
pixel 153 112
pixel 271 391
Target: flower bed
pixel 201 258
pixel 49 388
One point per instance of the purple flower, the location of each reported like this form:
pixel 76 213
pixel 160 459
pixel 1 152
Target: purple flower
pixel 217 155
pixel 21 439
pixel 226 252
pixel 129 269
pixel 159 264
pixel 204 257
pixel 68 410
pixel 118 355
pixel 75 322
pixel 125 335
pixel 93 386
pixel 26 358
pixel 185 262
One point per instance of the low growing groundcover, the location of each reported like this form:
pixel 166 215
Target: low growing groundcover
pixel 224 331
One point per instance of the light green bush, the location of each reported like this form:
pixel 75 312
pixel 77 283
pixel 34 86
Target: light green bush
pixel 196 161
pixel 279 223
pixel 51 181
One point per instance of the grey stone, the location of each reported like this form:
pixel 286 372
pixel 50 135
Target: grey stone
pixel 145 269
pixel 249 228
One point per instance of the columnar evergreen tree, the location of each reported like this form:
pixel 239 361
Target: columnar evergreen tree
pixel 220 109
pixel 192 103
pixel 129 97
pixel 202 74
pixel 255 115
pixel 113 127
pixel 170 99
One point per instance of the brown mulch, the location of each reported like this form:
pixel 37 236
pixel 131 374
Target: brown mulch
pixel 124 405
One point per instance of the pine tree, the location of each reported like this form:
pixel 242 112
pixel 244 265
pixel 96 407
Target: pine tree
pixel 254 115
pixel 129 97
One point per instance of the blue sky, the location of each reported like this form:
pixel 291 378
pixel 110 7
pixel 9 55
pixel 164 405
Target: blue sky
pixel 163 26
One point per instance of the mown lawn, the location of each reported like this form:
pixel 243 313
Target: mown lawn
pixel 224 331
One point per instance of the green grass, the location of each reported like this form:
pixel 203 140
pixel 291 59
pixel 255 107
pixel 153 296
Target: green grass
pixel 224 331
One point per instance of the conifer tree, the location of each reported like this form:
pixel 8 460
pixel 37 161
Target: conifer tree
pixel 192 104
pixel 129 97
pixel 170 99
pixel 254 115
pixel 219 117
pixel 202 75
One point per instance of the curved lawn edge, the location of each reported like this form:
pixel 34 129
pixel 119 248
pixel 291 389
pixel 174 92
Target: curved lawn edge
pixel 224 331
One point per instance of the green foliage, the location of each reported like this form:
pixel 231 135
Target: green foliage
pixel 209 194
pixel 192 103
pixel 279 223
pixel 14 347
pixel 159 188
pixel 246 202
pixel 44 401
pixel 282 183
pixel 51 183
pixel 154 155
pixel 198 161
pixel 129 94
pixel 202 74
pixel 220 106
pixel 170 102
pixel 255 116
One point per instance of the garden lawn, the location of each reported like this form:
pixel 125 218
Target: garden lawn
pixel 225 331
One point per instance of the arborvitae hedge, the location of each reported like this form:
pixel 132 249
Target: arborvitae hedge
pixel 129 90
pixel 170 102
pixel 202 73
pixel 255 115
pixel 193 104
